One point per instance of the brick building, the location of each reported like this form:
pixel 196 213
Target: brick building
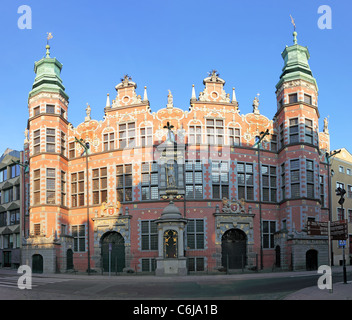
pixel 341 167
pixel 173 191
pixel 11 208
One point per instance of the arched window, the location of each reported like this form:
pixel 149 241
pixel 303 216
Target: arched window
pixel 170 244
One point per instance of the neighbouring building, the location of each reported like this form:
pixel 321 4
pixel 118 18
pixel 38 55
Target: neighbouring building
pixel 176 191
pixel 11 213
pixel 341 176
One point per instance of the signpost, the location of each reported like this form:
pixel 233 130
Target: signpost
pixel 338 229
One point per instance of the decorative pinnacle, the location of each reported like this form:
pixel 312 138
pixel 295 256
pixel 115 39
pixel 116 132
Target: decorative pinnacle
pixel 49 37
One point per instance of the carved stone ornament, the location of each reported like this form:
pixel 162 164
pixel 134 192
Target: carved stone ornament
pixel 110 209
pixel 233 206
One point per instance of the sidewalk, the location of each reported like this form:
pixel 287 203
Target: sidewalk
pixel 340 291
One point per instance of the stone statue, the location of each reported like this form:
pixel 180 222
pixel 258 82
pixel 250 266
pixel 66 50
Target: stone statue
pixel 325 129
pixel 170 100
pixel 88 110
pixel 170 176
pixel 256 105
pixel 26 136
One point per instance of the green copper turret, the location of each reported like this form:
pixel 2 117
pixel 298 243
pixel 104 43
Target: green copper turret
pixel 48 78
pixel 296 64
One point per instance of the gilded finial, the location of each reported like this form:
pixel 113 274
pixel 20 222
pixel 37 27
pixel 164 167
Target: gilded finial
pixel 49 36
pixel 294 30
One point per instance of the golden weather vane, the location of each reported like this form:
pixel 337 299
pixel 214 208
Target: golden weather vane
pixel 293 22
pixel 49 36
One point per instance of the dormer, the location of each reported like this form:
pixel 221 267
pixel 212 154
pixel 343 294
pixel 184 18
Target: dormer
pixel 214 89
pixel 126 94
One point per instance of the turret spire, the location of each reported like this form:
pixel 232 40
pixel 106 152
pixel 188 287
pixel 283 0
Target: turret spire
pixel 108 105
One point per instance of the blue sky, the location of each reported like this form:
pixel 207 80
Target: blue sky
pixel 171 45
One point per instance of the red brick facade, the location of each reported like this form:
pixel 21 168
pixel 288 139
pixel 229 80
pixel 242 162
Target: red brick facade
pixel 217 143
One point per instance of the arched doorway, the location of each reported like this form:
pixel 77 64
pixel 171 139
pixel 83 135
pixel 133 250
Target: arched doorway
pixel 69 259
pixel 277 257
pixel 113 252
pixel 312 260
pixel 37 263
pixel 234 249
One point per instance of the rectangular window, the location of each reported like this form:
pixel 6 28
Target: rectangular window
pixel 195 234
pixel 294 132
pixel 340 185
pixel 195 264
pixel 100 185
pixel 63 143
pixel 322 192
pixel 295 178
pixel 340 214
pixel 36 141
pixel 292 98
pixel 63 188
pixel 149 235
pixel 220 179
pixel 50 140
pixel 194 180
pixel 72 149
pixel 36 186
pixel 310 178
pixel 36 229
pixel 195 135
pixel 245 181
pixel 124 182
pixel 50 109
pixel 349 212
pixel 282 136
pixel 7 195
pixel 234 136
pixel 150 181
pixel 307 99
pixel 77 189
pixel 269 228
pixel 15 217
pixel 36 111
pixel 215 131
pixel 146 136
pixel 14 171
pixel 109 141
pixel 341 169
pixel 3 219
pixel 79 238
pixel 3 175
pixel 127 135
pixel 273 143
pixel 269 183
pixel 308 133
pixel 148 264
pixel 50 186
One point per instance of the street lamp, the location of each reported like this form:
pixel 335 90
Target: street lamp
pixel 328 155
pixel 341 192
pixel 86 147
pixel 260 138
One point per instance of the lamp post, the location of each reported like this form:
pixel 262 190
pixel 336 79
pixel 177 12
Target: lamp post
pixel 341 192
pixel 328 155
pixel 86 147
pixel 260 138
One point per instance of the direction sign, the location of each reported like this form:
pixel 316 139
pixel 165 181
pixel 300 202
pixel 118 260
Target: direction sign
pixel 315 228
pixel 338 230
